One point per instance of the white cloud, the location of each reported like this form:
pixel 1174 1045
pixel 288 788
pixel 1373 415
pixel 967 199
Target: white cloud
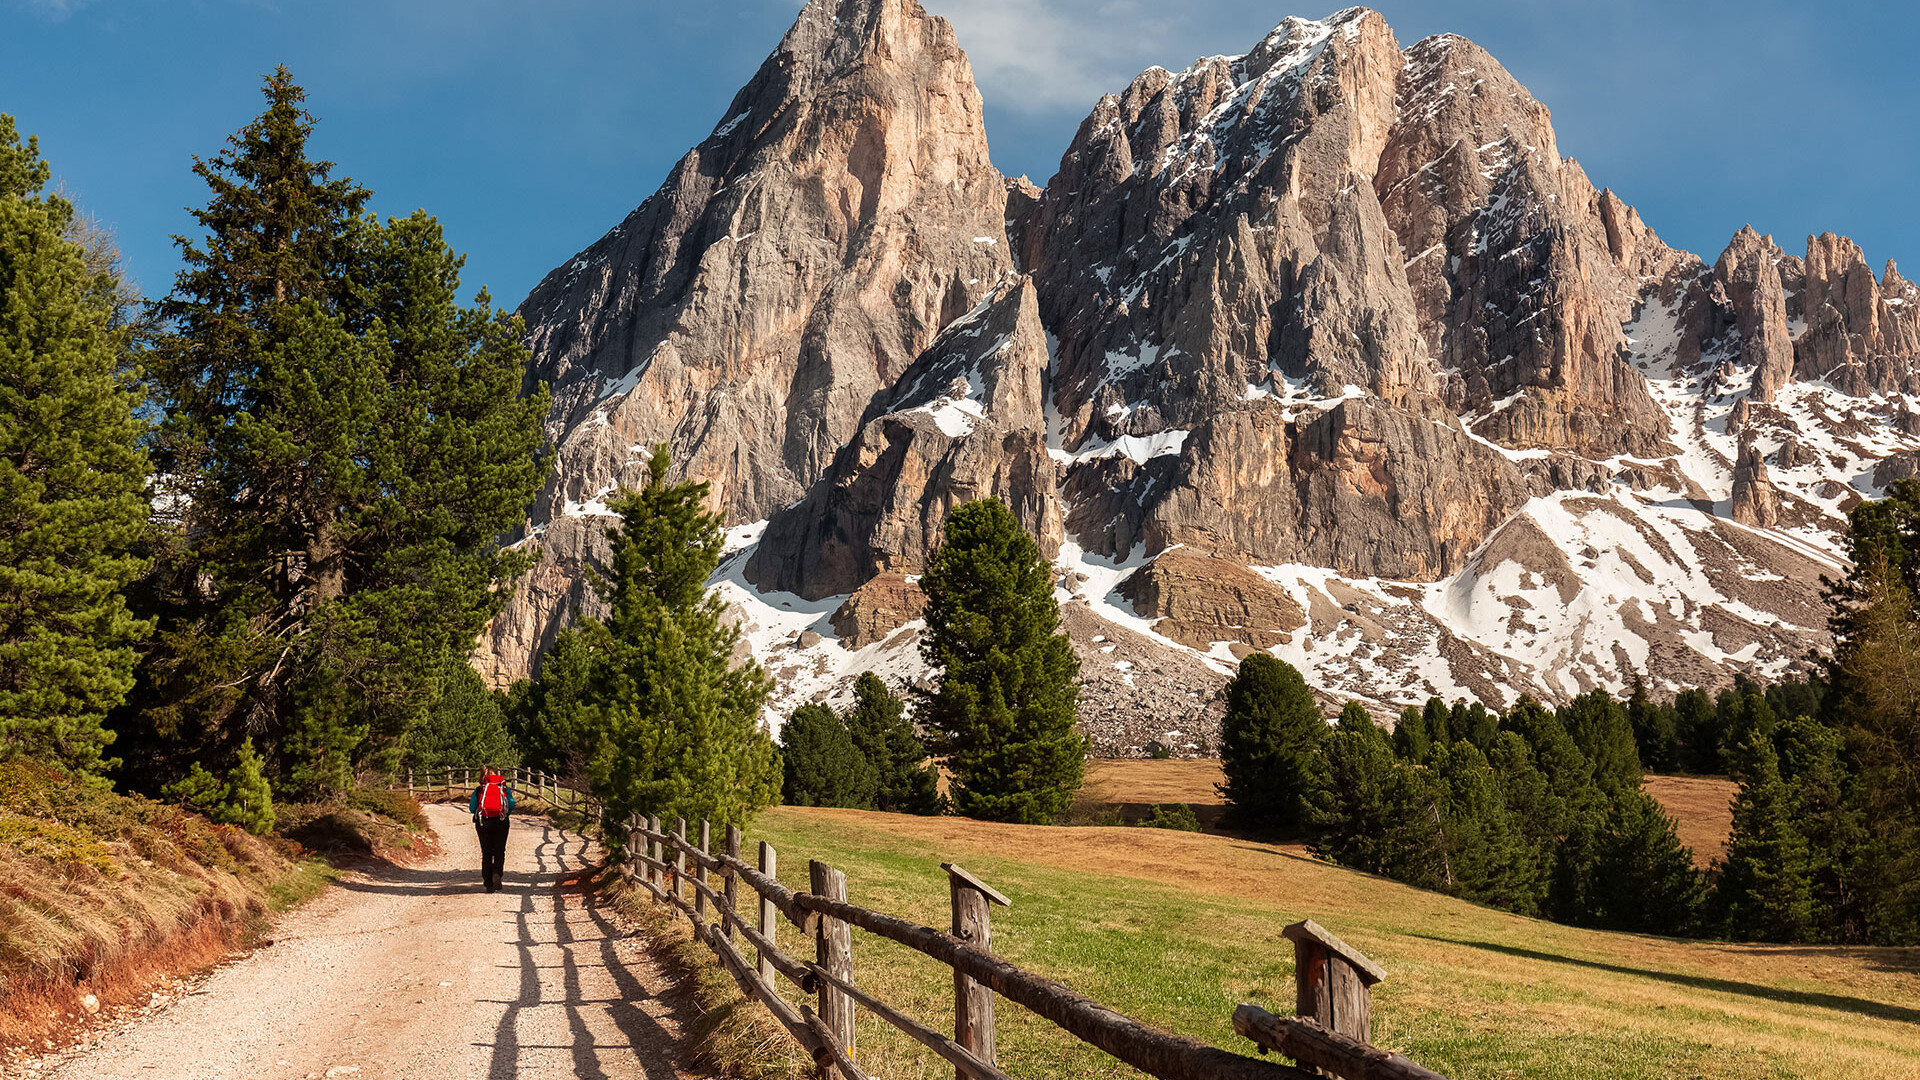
pixel 1047 56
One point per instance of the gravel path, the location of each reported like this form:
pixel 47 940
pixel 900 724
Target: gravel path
pixel 416 973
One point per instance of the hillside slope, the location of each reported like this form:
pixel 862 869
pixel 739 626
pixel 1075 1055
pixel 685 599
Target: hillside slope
pixel 102 895
pixel 1472 992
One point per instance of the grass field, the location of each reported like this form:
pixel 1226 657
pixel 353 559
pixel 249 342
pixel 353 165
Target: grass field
pixel 1178 928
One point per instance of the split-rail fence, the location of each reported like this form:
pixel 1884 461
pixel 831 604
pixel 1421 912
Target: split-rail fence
pixel 1333 981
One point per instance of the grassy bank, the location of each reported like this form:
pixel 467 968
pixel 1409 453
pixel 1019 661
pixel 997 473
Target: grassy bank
pixel 1178 928
pixel 101 894
pixel 104 895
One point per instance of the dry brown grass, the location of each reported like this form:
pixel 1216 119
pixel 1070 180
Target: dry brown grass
pixel 99 893
pixel 1702 810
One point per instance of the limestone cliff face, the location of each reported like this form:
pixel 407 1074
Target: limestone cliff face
pixel 1522 272
pixel 1321 349
pixel 965 422
pixel 794 263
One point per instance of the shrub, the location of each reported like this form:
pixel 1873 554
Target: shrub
pixel 821 765
pixel 1179 817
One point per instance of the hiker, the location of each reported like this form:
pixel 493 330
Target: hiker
pixel 491 806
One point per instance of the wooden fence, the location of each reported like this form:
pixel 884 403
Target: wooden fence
pixel 1333 981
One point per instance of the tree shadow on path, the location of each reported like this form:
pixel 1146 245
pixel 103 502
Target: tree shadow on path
pixel 1859 1006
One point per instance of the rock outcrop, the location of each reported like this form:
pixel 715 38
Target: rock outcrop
pixel 965 422
pixel 843 211
pixel 884 604
pixel 1755 502
pixel 1199 600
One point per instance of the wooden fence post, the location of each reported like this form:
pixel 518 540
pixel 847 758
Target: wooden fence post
pixel 769 869
pixel 972 1002
pixel 1332 981
pixel 727 887
pixel 409 781
pixel 835 953
pixel 656 851
pixel 700 872
pixel 679 855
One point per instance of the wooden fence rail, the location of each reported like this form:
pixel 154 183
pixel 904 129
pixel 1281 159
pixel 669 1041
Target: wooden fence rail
pixel 678 868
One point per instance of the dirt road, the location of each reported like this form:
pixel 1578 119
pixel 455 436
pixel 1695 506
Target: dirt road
pixel 417 974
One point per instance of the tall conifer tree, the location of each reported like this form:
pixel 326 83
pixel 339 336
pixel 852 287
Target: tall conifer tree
pixel 676 723
pixel 1003 713
pixel 73 477
pixel 347 442
pixel 1269 746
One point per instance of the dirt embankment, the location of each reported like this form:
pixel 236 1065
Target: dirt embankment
pixel 105 898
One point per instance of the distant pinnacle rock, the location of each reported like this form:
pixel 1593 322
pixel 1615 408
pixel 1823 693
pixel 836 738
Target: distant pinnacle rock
pixel 1755 502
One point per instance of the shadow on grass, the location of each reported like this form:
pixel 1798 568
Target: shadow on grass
pixel 1839 1002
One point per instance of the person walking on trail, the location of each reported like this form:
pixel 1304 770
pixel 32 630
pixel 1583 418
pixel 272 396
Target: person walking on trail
pixel 491 806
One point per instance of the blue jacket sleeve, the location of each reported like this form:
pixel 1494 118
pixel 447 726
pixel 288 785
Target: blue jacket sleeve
pixel 473 804
pixel 508 790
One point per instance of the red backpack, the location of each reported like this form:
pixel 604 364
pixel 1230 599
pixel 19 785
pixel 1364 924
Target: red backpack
pixel 493 800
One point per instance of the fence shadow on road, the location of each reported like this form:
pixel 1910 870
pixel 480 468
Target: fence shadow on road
pixel 555 890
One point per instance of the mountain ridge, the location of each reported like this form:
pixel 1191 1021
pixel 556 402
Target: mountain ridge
pixel 1334 311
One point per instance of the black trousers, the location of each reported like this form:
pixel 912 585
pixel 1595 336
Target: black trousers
pixel 493 849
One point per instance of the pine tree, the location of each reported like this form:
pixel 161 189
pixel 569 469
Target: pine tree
pixel 877 720
pixel 1003 713
pixel 1697 724
pixel 1655 728
pixel 1646 879
pixel 465 726
pixel 1356 812
pixel 347 442
pixel 1355 717
pixel 1410 739
pixel 1485 854
pixel 1600 728
pixel 677 725
pixel 821 764
pixel 1269 746
pixel 1764 890
pixel 552 715
pixel 244 798
pixel 73 476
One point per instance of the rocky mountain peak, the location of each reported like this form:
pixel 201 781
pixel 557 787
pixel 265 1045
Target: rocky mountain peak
pixel 1321 349
pixel 794 263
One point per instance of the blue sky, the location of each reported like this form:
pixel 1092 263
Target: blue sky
pixel 531 128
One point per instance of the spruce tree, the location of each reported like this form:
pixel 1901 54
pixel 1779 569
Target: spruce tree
pixel 73 477
pixel 346 442
pixel 676 725
pixel 1002 715
pixel 1764 890
pixel 1600 728
pixel 552 715
pixel 820 763
pixel 1410 739
pixel 1269 746
pixel 906 783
